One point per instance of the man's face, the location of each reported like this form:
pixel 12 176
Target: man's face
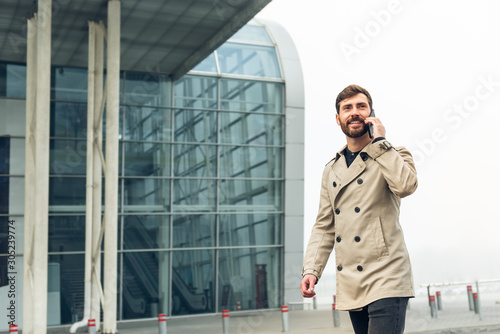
pixel 352 114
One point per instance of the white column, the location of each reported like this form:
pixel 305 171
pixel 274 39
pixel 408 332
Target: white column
pixel 95 307
pixel 29 179
pixel 111 171
pixel 42 119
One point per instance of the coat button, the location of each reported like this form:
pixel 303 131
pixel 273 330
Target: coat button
pixel 360 181
pixel 334 183
pixel 339 239
pixel 365 157
pixel 357 239
pixel 339 268
pixel 359 268
pixel 357 209
pixel 337 211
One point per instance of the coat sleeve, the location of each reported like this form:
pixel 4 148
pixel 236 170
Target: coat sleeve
pixel 397 167
pixel 322 237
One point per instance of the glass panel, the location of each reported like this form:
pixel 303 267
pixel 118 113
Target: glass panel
pixel 13 80
pixel 250 162
pixel 66 275
pixel 12 195
pixel 250 195
pixel 147 194
pixel 68 157
pixel 254 96
pixel 254 129
pixel 66 233
pixel 195 126
pixel 207 65
pixel 147 89
pixel 4 180
pixel 252 33
pixel 250 229
pixel 146 231
pixel 245 59
pixel 12 117
pixel 69 84
pixel 250 276
pixel 68 120
pixel 67 194
pixel 194 195
pixel 196 92
pixel 194 231
pixel 4 195
pixel 145 284
pixel 195 160
pixel 193 282
pixel 143 123
pixel 15 158
pixel 147 159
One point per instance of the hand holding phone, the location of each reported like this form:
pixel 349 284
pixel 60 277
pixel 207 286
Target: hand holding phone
pixel 370 125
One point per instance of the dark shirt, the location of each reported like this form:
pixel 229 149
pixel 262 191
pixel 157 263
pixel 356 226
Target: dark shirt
pixel 351 156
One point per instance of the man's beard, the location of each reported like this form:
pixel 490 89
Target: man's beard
pixel 354 133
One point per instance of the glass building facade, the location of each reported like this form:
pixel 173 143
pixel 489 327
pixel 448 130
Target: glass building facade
pixel 201 185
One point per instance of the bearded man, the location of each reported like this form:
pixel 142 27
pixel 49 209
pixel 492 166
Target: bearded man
pixel 361 192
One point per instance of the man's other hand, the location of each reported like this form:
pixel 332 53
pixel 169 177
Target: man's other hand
pixel 307 285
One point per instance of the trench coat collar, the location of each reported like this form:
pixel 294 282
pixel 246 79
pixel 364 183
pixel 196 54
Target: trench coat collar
pixel 344 174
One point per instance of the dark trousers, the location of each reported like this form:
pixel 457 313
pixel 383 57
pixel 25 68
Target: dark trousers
pixel 384 316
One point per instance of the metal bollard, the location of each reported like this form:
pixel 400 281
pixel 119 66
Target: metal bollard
pixel 238 305
pixel 336 316
pixel 284 318
pixel 162 323
pixel 469 295
pixel 91 326
pixel 432 301
pixel 315 305
pixel 12 328
pixel 438 299
pixel 476 303
pixel 225 322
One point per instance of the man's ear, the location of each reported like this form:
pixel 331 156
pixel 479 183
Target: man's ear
pixel 337 119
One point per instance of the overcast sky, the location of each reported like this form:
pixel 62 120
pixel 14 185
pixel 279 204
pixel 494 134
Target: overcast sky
pixel 433 70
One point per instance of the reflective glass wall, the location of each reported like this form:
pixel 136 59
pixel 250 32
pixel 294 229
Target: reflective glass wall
pixel 200 187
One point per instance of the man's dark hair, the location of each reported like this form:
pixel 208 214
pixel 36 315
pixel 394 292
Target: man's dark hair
pixel 349 92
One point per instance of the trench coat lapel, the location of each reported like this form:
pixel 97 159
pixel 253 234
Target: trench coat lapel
pixel 345 175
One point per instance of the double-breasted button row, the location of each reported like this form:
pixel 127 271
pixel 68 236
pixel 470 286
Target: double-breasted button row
pixel 360 181
pixel 356 238
pixel 359 268
pixel 356 209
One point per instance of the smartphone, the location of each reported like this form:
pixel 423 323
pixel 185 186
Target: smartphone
pixel 370 125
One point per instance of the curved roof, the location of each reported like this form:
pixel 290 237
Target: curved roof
pixel 165 36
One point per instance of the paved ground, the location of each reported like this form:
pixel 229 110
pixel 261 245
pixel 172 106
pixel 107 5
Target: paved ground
pixel 454 318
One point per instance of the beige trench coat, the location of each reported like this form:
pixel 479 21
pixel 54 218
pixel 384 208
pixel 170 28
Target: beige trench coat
pixel 359 211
